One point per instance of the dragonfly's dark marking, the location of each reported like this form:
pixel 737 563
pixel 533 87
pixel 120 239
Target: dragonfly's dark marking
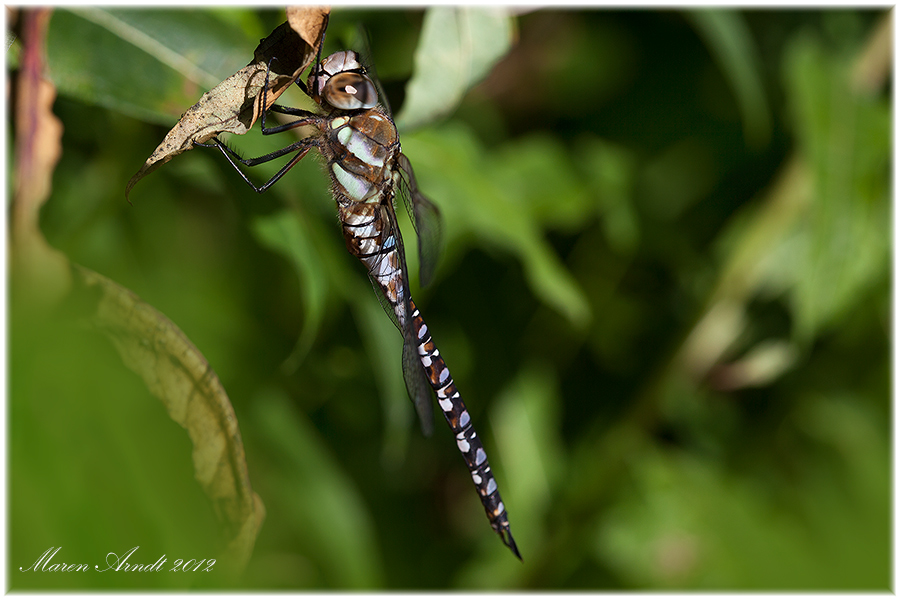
pixel 359 142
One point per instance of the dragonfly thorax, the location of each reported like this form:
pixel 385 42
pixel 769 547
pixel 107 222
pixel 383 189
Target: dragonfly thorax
pixel 341 82
pixel 361 150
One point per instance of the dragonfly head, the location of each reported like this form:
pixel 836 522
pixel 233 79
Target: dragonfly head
pixel 341 81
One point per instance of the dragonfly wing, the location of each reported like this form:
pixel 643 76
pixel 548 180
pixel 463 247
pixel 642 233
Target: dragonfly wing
pixel 385 303
pixel 417 386
pixel 397 308
pixel 425 217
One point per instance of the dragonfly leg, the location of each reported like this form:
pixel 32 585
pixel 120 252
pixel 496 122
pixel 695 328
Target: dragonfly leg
pixel 303 146
pixel 252 162
pixel 306 117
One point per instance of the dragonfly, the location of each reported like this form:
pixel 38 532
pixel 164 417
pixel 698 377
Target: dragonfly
pixel 357 137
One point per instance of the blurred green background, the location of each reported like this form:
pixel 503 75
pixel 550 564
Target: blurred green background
pixel 664 295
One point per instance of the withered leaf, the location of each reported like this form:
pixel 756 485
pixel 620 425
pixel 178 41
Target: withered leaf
pixel 234 105
pixel 176 372
pixel 41 270
pixel 309 22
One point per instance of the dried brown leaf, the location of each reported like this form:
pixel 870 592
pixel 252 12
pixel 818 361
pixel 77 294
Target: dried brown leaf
pixel 41 270
pixel 234 105
pixel 309 22
pixel 176 372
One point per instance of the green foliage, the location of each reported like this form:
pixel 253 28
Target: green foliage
pixel 843 248
pixel 664 295
pixel 147 63
pixel 458 48
pixel 731 44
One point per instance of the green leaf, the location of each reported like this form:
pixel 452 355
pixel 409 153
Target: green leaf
pixel 729 40
pixel 197 44
pixel 609 171
pixel 687 522
pixel 478 199
pixel 286 233
pixel 458 47
pixel 325 272
pixel 537 171
pixel 383 347
pixel 138 61
pixel 322 507
pixel 844 246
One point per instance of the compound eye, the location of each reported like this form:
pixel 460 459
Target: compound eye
pixel 350 91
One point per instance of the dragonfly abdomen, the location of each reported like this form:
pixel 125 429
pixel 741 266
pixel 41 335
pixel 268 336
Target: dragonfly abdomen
pixel 460 423
pixel 368 233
